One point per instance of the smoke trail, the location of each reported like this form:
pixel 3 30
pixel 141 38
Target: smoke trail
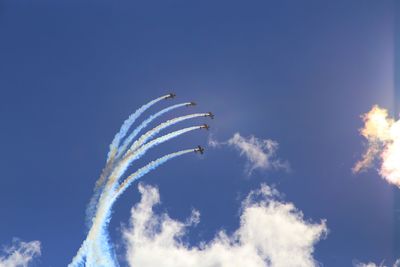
pixel 80 256
pixel 127 124
pixel 99 248
pixel 90 210
pixel 125 162
pixel 133 155
pixel 100 183
pixel 129 139
pixel 143 139
pixel 146 169
pixel 96 250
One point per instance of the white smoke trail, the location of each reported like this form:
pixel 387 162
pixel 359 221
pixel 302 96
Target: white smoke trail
pixel 80 256
pixel 99 186
pixel 134 155
pixel 114 149
pixel 131 155
pixel 130 138
pixel 127 124
pixel 146 169
pixel 96 250
pixel 97 238
pixel 143 139
pixel 97 246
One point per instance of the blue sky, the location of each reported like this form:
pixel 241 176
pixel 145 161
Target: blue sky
pixel 297 72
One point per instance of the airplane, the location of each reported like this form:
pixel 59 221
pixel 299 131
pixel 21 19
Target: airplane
pixel 199 149
pixel 170 95
pixel 205 126
pixel 191 104
pixel 209 114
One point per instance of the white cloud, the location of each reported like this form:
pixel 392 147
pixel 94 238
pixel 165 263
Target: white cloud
pixel 383 136
pixel 272 233
pixel 19 254
pixel 371 264
pixel 259 153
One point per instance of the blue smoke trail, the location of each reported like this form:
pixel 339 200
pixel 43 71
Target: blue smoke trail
pixel 80 256
pixel 127 124
pixel 96 250
pixel 100 183
pixel 100 252
pixel 145 137
pixel 105 203
pixel 134 155
pixel 146 169
pixel 129 139
pixel 91 208
pixel 120 168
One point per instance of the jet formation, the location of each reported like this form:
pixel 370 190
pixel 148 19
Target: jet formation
pixel 127 147
pixel 198 149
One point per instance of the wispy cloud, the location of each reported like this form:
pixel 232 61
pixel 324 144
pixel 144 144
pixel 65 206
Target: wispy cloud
pixel 371 264
pixel 259 153
pixel 20 253
pixel 271 233
pixel 383 139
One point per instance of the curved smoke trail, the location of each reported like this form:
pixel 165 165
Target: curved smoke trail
pixel 120 168
pixel 111 155
pixel 146 169
pixel 97 245
pixel 134 155
pixel 128 123
pixel 96 250
pixel 91 208
pixel 143 139
pixel 130 138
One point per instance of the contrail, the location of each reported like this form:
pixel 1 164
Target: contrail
pixel 96 250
